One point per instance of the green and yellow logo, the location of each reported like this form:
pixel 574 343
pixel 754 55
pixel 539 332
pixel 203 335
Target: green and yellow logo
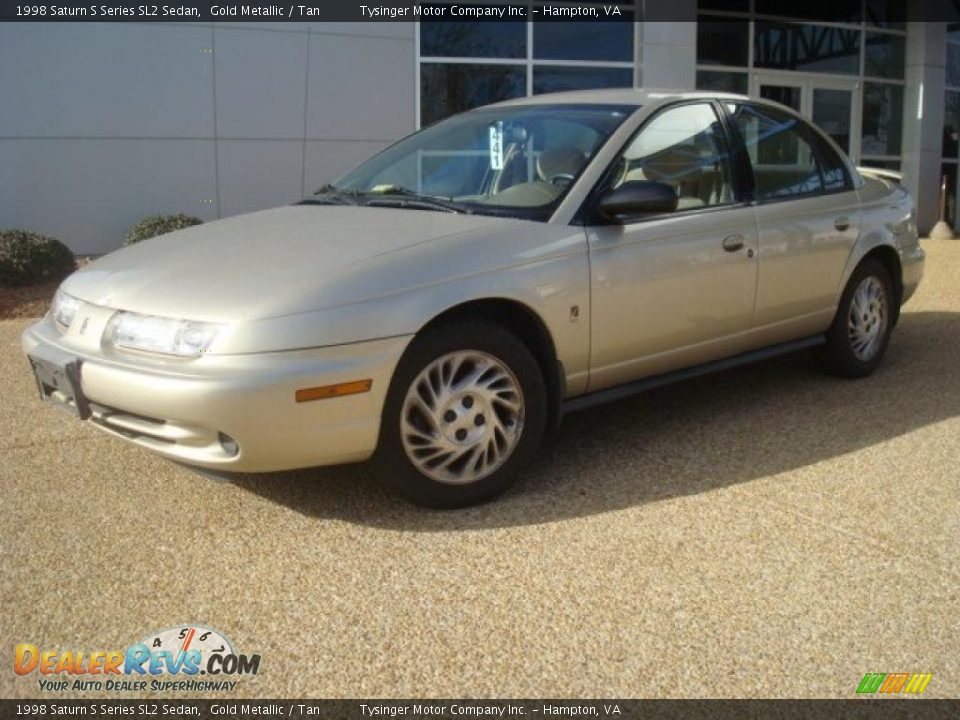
pixel 890 683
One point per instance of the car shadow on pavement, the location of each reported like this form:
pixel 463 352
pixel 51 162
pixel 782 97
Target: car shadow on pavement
pixel 737 426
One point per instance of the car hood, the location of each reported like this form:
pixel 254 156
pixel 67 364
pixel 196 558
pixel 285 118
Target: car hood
pixel 262 264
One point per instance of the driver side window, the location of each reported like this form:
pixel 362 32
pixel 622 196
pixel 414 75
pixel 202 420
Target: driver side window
pixel 683 147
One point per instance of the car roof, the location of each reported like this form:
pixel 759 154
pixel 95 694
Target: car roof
pixel 620 96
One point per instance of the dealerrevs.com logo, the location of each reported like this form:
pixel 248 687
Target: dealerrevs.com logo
pixel 198 658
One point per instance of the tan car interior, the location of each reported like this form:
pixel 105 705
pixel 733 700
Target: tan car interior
pixel 698 178
pixel 556 168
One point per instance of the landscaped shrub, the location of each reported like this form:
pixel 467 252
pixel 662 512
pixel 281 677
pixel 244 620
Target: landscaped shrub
pixel 158 225
pixel 28 258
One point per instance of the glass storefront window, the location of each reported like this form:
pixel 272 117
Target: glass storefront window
pixel 832 111
pixel 789 95
pixel 722 42
pixel 882 128
pixel 881 164
pixel 473 39
pixel 953 65
pixel 951 125
pixel 839 11
pixel 448 88
pixel 887 13
pixel 949 170
pixel 600 41
pixel 731 82
pixel 885 56
pixel 602 54
pixel 557 78
pixel 810 48
pixel 781 59
pixel 525 58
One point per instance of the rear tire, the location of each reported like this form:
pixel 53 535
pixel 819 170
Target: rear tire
pixel 860 333
pixel 465 412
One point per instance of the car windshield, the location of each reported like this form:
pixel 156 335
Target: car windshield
pixel 512 160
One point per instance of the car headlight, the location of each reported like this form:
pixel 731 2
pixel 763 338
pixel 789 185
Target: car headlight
pixel 64 309
pixel 149 333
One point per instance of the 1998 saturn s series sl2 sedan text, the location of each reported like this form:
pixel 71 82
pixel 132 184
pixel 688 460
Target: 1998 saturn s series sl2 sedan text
pixel 442 306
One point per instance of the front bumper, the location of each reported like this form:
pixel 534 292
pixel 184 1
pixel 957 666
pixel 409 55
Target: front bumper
pixel 183 409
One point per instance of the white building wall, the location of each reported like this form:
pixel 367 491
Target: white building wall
pixel 669 44
pixel 103 124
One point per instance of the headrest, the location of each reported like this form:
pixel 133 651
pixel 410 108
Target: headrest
pixel 674 165
pixel 560 161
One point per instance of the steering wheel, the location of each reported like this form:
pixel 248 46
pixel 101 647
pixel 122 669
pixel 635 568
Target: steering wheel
pixel 561 177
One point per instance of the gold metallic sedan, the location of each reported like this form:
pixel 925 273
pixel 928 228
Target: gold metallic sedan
pixel 443 305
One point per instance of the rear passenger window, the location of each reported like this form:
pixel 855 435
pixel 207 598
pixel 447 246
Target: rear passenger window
pixel 785 163
pixel 835 176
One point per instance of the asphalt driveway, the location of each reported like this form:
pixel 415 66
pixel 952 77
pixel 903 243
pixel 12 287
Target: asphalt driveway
pixel 763 532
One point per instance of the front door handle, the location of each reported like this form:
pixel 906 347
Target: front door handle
pixel 732 243
pixel 841 223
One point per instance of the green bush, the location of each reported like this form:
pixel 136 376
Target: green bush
pixel 159 225
pixel 28 258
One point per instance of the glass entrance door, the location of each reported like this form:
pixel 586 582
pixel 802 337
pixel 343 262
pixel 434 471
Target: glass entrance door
pixel 832 104
pixel 832 110
pixel 789 95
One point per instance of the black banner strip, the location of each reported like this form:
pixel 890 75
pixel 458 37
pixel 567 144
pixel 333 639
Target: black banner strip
pixel 854 709
pixel 408 11
pixel 319 11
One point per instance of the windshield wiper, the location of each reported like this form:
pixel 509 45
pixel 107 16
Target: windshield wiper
pixel 397 196
pixel 329 195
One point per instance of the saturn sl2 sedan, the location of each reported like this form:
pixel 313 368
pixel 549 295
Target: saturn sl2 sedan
pixel 442 306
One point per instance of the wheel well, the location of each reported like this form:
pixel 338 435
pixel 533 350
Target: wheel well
pixel 528 327
pixel 891 261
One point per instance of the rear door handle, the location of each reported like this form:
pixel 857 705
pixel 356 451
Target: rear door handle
pixel 732 243
pixel 841 223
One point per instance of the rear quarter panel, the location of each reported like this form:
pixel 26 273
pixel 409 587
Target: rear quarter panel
pixel 888 219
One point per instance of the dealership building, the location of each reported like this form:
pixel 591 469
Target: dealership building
pixel 105 123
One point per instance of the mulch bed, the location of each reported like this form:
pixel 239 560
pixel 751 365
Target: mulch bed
pixel 33 300
pixel 26 302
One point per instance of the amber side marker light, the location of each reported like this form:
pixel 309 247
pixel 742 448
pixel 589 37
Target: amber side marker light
pixel 353 387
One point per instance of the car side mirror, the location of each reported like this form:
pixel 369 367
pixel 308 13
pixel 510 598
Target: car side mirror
pixel 637 197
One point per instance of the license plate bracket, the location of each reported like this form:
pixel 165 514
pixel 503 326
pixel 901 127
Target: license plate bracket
pixel 59 385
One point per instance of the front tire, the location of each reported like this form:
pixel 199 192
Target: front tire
pixel 466 410
pixel 860 333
